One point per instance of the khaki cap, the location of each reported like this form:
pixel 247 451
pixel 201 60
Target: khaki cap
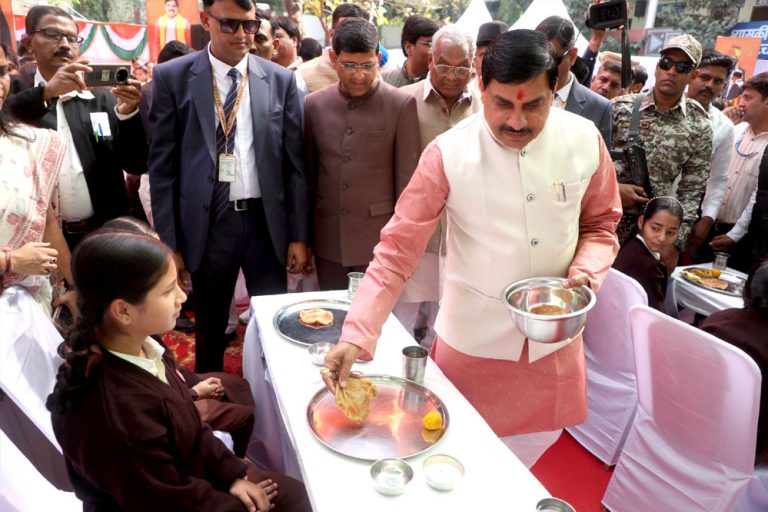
pixel 686 43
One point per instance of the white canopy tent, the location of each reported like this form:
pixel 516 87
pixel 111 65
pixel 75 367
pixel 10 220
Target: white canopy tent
pixel 475 15
pixel 541 9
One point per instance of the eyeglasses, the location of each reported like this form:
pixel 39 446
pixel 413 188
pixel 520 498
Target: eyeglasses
pixel 744 155
pixel 666 64
pixel 229 26
pixel 366 67
pixel 55 36
pixel 561 56
pixel 428 44
pixel 459 71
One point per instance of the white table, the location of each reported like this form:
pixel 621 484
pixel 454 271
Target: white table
pixel 682 292
pixel 284 380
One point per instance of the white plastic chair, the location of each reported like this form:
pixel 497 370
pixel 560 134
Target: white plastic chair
pixel 611 385
pixel 28 365
pixel 33 473
pixel 692 444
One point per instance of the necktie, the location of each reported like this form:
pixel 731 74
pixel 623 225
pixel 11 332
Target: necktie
pixel 225 144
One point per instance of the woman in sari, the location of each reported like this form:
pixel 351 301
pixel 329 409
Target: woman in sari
pixel 31 244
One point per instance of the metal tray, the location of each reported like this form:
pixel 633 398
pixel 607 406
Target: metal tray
pixel 393 429
pixel 735 283
pixel 287 324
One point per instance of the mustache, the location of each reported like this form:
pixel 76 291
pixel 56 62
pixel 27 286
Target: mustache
pixel 64 53
pixel 508 129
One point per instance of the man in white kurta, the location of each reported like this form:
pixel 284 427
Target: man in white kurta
pixel 528 191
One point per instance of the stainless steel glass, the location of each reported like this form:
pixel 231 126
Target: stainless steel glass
pixel 721 261
pixel 354 283
pixel 415 363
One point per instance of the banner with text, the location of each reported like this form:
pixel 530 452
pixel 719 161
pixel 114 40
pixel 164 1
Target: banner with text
pixel 757 29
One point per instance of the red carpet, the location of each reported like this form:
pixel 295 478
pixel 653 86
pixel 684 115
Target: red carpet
pixel 183 347
pixel 571 473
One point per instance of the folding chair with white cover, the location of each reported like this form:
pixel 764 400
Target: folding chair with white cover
pixel 692 444
pixel 28 366
pixel 611 384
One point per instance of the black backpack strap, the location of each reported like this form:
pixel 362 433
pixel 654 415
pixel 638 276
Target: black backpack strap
pixel 634 127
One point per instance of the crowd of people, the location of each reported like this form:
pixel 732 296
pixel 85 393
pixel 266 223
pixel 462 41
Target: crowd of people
pixel 484 159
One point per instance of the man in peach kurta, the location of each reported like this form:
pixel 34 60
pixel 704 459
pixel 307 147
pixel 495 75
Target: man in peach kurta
pixel 527 191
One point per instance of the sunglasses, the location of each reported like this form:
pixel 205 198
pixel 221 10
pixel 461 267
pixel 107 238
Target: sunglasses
pixel 229 26
pixel 666 64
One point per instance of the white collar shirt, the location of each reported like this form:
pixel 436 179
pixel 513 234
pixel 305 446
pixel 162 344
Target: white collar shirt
pixel 246 184
pixel 75 200
pixel 742 172
pixel 152 363
pixel 722 149
pixel 561 95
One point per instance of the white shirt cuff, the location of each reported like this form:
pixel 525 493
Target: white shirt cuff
pixel 123 117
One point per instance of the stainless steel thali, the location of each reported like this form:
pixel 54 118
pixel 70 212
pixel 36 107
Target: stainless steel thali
pixel 735 282
pixel 392 429
pixel 287 324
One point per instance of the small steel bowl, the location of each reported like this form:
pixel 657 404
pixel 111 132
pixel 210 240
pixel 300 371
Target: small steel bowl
pixel 391 476
pixel 318 351
pixel 522 296
pixel 443 472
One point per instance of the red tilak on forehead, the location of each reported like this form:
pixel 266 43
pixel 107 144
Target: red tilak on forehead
pixel 520 95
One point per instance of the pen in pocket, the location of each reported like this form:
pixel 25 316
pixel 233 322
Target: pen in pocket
pixel 560 191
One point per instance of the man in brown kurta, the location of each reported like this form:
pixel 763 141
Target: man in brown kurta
pixel 362 142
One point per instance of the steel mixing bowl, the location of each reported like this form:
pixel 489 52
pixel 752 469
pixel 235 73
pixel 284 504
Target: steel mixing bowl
pixel 520 297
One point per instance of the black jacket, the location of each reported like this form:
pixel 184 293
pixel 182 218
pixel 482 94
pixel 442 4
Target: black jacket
pixel 103 159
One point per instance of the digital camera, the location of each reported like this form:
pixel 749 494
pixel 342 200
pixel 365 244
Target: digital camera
pixel 606 15
pixel 107 75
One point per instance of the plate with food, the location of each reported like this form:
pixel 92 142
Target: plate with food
pixel 715 280
pixel 311 321
pixel 378 417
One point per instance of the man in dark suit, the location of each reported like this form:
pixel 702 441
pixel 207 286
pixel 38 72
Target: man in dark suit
pixel 569 93
pixel 227 175
pixel 104 132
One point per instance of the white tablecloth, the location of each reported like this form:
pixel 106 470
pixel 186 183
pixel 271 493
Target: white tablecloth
pixel 698 299
pixel 335 482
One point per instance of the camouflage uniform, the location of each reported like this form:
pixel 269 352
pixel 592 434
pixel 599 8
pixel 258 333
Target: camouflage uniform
pixel 677 142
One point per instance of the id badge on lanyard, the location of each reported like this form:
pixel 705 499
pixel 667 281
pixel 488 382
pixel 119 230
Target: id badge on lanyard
pixel 227 167
pixel 227 161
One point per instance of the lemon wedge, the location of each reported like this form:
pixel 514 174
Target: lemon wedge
pixel 432 421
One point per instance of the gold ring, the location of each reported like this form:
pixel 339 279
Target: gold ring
pixel 324 370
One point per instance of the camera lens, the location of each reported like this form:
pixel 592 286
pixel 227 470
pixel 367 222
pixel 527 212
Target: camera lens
pixel 611 13
pixel 121 75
